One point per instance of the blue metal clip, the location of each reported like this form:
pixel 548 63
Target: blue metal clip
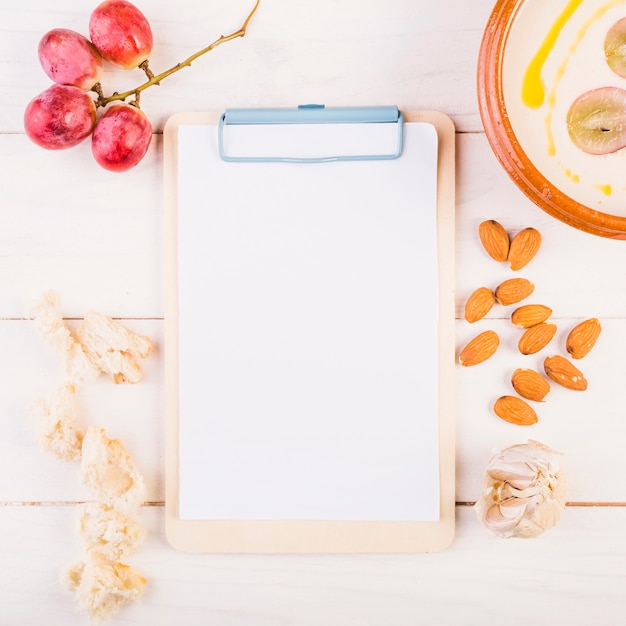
pixel 313 114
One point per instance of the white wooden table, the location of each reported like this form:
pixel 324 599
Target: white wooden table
pixel 96 238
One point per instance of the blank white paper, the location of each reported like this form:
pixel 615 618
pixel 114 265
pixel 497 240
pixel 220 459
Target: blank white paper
pixel 308 333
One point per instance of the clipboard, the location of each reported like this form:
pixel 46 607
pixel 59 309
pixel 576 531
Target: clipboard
pixel 241 261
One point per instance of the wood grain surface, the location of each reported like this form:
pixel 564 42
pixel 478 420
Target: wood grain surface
pixel 97 239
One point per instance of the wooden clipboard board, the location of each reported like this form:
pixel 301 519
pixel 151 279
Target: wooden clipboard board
pixel 315 535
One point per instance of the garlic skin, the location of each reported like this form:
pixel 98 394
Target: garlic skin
pixel 524 491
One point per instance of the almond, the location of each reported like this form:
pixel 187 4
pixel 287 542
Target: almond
pixel 582 338
pixel 564 372
pixel 480 348
pixel 495 239
pixel 530 384
pixel 530 314
pixel 536 337
pixel 479 304
pixel 523 247
pixel 515 411
pixel 513 290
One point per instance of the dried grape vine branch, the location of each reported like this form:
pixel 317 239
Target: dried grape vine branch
pixel 65 114
pixel 102 100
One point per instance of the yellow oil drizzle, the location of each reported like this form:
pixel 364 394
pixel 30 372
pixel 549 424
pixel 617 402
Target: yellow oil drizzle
pixel 607 190
pixel 575 178
pixel 551 99
pixel 533 91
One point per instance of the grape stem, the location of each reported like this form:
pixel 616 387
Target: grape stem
pixel 102 100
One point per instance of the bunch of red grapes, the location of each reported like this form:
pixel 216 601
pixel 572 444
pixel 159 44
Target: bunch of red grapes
pixel 65 114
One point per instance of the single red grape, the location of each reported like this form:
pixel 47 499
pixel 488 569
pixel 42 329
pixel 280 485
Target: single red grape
pixel 60 117
pixel 121 137
pixel 121 33
pixel 68 58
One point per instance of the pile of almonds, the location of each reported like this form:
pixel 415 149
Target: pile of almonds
pixel 532 319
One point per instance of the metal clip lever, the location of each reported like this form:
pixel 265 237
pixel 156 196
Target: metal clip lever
pixel 312 114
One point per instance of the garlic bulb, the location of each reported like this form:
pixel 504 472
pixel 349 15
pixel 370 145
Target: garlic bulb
pixel 524 491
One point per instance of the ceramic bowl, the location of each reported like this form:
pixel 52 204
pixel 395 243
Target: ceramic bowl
pixel 535 58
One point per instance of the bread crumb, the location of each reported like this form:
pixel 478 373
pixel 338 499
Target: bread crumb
pixel 108 472
pixel 56 424
pixel 73 575
pixel 109 532
pixel 102 587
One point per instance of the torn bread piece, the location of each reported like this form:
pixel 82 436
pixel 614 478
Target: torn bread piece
pixel 57 425
pixel 103 588
pixel 112 347
pixel 77 365
pixel 108 471
pixel 109 532
pixel 101 344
